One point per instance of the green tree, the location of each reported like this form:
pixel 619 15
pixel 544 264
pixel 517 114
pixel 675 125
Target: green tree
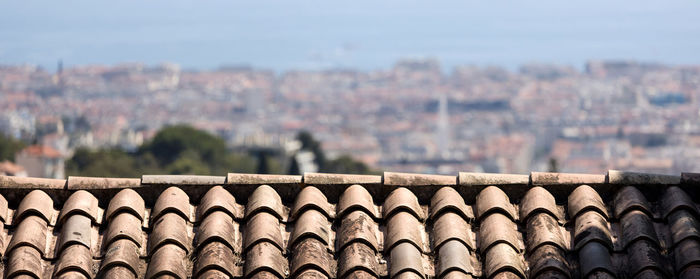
pixel 170 142
pixel 102 163
pixel 9 147
pixel 309 143
pixel 346 164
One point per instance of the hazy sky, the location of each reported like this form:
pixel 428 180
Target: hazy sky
pixel 357 34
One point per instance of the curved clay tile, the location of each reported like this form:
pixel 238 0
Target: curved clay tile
pixel 503 258
pixel 265 256
pixel 456 274
pixel 311 274
pixel 497 228
pixel 537 199
pixel 37 203
pixel 675 198
pixel 76 258
pixel 356 197
pixel 310 197
pixel 402 199
pixel 123 226
pixel 262 227
pixel 403 227
pixel 360 274
pixel 121 254
pixel 357 226
pixel 601 274
pixel 168 260
pixel 642 255
pixel 24 260
pixel 126 200
pixel 547 258
pixel 4 209
pixel 637 225
pixel 310 254
pixel 263 274
pixel 595 256
pixel 214 274
pixel 450 226
pixel 543 229
pixel 630 198
pixel 264 198
pixel 30 232
pixel 76 230
pixel 405 257
pixel 217 198
pixel 691 272
pixel 357 256
pixel 591 226
pixel 408 274
pixel 687 253
pixel 80 202
pixel 551 274
pixel 170 228
pixel 683 225
pixel 454 255
pixel 585 198
pixel 217 226
pixel 216 255
pixel 447 199
pixel 174 200
pixel 493 199
pixel 71 274
pixel 311 223
pixel 118 272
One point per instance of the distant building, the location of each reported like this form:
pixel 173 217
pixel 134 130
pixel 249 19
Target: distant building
pixel 41 161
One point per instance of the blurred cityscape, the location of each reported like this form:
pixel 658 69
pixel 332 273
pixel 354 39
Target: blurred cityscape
pixel 412 117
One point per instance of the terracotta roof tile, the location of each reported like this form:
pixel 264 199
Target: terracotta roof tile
pixel 403 227
pixel 357 226
pixel 217 256
pixel 311 197
pixel 492 199
pixel 454 255
pixel 262 227
pixel 122 254
pixel 310 254
pixel 543 229
pixel 450 226
pixel 503 258
pixel 357 256
pixel 218 227
pixel 169 260
pixel 405 258
pixel 265 256
pixel 356 197
pixel 448 199
pixel 126 200
pixel 173 200
pixel 81 202
pixel 497 228
pixel 402 199
pixel 537 199
pixel 346 227
pixel 36 203
pixel 630 198
pixel 218 199
pixel 169 229
pixel 585 198
pixel 265 198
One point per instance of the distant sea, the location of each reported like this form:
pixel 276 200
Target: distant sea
pixel 365 35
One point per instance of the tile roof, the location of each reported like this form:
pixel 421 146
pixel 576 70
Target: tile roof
pixel 542 225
